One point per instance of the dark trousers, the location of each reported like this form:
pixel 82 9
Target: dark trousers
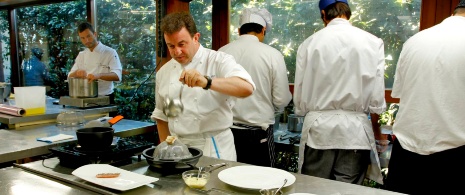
pixel 438 173
pixel 255 146
pixel 348 166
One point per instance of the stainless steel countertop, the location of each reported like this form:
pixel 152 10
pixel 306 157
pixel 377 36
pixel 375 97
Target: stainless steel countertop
pixel 168 184
pixel 51 113
pixel 21 143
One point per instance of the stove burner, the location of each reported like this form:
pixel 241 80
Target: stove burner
pixel 74 156
pixel 90 150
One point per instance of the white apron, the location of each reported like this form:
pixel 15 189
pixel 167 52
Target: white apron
pixel 374 170
pixel 218 144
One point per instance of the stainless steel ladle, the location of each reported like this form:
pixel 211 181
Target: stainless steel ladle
pixel 173 107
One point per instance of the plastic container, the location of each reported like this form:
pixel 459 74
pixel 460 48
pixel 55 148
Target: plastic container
pixel 31 99
pixel 70 119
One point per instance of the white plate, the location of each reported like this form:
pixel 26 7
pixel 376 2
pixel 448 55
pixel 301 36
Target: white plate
pixel 125 181
pixel 256 177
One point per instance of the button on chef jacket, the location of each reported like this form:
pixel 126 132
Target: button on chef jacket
pixel 102 60
pixel 204 110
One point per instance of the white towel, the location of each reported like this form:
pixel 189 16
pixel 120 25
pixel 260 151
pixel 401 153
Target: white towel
pixel 55 138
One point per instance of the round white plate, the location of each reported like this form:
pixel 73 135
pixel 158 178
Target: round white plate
pixel 256 177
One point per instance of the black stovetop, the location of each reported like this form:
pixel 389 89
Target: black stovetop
pixel 118 154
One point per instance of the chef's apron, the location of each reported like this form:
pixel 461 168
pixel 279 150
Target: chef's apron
pixel 217 144
pixel 374 169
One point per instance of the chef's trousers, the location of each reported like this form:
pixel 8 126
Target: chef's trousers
pixel 438 173
pixel 348 166
pixel 254 145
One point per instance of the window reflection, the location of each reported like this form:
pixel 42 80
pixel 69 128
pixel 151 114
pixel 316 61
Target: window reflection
pixel 5 65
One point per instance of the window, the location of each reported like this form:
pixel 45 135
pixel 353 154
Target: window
pixel 5 65
pixel 394 21
pixel 201 11
pixel 128 26
pixel 47 37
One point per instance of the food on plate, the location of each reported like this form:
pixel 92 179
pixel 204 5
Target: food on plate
pixel 107 175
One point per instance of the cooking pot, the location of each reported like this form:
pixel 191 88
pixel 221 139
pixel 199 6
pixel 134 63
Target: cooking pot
pixel 294 123
pixel 82 88
pixel 95 138
pixel 171 165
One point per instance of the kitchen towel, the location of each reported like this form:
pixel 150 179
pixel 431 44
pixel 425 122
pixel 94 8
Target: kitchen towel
pixel 55 138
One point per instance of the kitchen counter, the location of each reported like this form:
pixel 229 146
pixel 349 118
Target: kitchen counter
pixel 60 181
pixel 51 113
pixel 21 143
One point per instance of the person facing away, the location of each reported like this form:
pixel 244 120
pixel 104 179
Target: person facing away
pixel 35 71
pixel 254 116
pixel 339 80
pixel 427 156
pixel 96 62
pixel 212 82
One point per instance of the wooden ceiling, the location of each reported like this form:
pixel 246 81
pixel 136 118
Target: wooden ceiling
pixel 11 4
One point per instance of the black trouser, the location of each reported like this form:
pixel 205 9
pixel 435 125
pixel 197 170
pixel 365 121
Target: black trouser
pixel 437 173
pixel 254 145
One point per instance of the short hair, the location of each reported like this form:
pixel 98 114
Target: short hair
pixel 250 27
pixel 337 9
pixel 85 25
pixel 174 22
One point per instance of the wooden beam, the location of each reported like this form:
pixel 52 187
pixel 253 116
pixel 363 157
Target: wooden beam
pixel 220 23
pixel 16 56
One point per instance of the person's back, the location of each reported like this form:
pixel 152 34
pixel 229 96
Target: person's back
pixel 254 116
pixel 35 71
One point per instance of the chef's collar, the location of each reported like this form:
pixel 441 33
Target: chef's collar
pixel 258 16
pixel 197 57
pixel 325 3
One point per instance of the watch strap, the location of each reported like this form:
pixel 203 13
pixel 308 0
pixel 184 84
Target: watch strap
pixel 209 82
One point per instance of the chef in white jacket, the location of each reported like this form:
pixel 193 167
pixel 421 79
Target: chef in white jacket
pixel 212 81
pixel 339 80
pixel 254 115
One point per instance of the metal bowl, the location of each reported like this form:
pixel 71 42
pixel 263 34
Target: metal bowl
pixel 170 164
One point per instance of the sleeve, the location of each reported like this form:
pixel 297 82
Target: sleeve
pixel 77 61
pixel 378 102
pixel 115 64
pixel 158 111
pixel 280 90
pixel 230 68
pixel 301 58
pixel 397 87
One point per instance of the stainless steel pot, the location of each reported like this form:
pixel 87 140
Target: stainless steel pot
pixel 82 88
pixel 294 123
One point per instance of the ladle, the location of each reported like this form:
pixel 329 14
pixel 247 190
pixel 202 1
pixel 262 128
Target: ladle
pixel 173 107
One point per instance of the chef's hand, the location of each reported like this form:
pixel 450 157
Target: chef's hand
pixel 382 145
pixel 193 78
pixel 92 77
pixel 81 74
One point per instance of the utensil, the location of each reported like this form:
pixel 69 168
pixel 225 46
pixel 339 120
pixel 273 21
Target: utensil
pixel 82 88
pixel 95 138
pixel 279 189
pixel 172 165
pixel 173 107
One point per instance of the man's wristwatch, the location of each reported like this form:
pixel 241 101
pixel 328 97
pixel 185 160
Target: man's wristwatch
pixel 209 82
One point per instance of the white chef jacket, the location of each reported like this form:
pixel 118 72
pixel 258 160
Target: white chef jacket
pixel 206 113
pixel 267 67
pixel 430 82
pixel 102 60
pixel 339 80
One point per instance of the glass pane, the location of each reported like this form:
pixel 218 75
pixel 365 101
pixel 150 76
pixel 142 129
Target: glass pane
pixel 393 21
pixel 5 65
pixel 128 26
pixel 48 44
pixel 201 11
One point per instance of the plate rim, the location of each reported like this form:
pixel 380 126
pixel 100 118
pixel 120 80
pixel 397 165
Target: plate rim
pixel 222 172
pixel 120 188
